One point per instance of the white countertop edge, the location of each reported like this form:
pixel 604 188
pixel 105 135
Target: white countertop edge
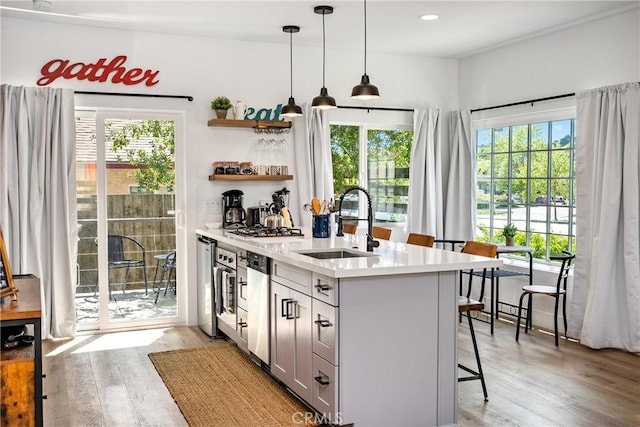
pixel 391 258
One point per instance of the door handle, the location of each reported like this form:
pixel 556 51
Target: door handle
pixel 289 314
pixel 284 311
pixel 321 380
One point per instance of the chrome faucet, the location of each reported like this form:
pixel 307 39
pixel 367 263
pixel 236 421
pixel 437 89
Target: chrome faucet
pixel 371 243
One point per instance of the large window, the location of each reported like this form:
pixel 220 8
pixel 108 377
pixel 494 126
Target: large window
pixel 525 176
pixel 378 160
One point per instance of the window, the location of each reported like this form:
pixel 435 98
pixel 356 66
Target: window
pixel 525 176
pixel 378 160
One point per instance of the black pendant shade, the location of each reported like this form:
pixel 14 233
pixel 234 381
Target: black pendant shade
pixel 365 90
pixel 291 109
pixel 323 101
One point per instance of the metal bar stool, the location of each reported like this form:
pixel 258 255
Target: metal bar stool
pixel 466 305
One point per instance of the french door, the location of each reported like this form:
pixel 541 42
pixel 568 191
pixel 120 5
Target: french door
pixel 129 203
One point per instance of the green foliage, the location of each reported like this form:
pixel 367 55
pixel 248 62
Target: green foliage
pixel 345 157
pixel 509 230
pixel 156 166
pixel 221 103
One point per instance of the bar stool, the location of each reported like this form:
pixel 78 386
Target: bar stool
pixel 466 305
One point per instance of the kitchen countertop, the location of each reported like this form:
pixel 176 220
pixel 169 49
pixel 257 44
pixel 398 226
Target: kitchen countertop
pixel 390 258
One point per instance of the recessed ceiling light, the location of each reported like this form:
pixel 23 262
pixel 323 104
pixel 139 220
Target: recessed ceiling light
pixel 429 17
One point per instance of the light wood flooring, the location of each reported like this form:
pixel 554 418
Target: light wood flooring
pixel 108 380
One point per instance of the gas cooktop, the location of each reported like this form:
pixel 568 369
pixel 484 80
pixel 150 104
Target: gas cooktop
pixel 258 231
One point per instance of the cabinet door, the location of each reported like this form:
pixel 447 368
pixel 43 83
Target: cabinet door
pixel 325 391
pixel 243 330
pixel 281 336
pixel 302 348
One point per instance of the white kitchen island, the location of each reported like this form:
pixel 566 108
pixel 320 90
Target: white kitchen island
pixel 381 329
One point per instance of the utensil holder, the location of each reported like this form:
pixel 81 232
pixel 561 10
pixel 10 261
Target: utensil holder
pixel 321 226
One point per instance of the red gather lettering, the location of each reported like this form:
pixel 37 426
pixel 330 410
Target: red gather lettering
pixel 51 71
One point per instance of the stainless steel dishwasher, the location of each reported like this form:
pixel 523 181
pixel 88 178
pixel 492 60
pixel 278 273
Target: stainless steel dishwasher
pixel 206 295
pixel 258 305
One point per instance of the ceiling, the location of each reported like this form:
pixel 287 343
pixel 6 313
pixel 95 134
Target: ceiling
pixel 464 27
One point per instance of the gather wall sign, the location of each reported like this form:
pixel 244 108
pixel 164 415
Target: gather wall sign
pixel 100 71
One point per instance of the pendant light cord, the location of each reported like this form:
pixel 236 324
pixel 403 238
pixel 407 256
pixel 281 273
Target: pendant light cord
pixel 323 50
pixel 291 62
pixel 365 36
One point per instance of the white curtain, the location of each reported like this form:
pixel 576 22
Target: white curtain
pixel 313 166
pixel 605 307
pixel 37 203
pixel 425 211
pixel 460 206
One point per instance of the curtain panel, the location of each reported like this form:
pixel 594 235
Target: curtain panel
pixel 38 203
pixel 313 164
pixel 460 206
pixel 425 207
pixel 605 306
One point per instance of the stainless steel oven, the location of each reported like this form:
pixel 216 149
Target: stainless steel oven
pixel 226 289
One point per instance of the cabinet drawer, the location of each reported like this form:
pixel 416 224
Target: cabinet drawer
pixel 325 387
pixel 325 330
pixel 325 288
pixel 293 277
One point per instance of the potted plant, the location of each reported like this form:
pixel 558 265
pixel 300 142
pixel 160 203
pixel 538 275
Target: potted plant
pixel 509 232
pixel 221 104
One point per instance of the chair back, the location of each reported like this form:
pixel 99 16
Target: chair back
pixel 565 267
pixel 381 233
pixel 481 249
pixel 116 248
pixel 170 261
pixel 349 228
pixel 420 239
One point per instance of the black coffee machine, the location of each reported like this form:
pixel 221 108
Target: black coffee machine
pixel 233 214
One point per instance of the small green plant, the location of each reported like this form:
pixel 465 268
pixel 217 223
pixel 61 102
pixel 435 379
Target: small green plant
pixel 509 230
pixel 221 103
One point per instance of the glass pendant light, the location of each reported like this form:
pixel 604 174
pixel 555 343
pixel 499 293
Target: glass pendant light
pixel 323 101
pixel 365 90
pixel 291 109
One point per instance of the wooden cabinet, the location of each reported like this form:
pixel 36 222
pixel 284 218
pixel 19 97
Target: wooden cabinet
pixel 21 368
pixel 291 350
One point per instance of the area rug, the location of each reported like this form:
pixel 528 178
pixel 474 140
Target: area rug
pixel 220 386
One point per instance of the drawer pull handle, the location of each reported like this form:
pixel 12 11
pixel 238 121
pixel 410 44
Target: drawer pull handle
pixel 291 314
pixel 284 311
pixel 321 380
pixel 323 323
pixel 242 324
pixel 323 287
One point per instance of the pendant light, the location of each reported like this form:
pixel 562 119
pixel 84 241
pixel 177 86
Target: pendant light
pixel 291 109
pixel 323 101
pixel 365 90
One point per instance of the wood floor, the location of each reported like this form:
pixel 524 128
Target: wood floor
pixel 108 380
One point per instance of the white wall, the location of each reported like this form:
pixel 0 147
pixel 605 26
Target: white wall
pixel 595 54
pixel 256 73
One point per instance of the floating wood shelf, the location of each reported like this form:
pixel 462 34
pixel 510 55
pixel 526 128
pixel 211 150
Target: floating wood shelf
pixel 250 177
pixel 256 124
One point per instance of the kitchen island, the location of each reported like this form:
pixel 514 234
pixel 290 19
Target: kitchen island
pixel 370 338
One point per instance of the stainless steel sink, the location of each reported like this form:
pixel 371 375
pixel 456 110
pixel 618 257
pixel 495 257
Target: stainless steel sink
pixel 335 254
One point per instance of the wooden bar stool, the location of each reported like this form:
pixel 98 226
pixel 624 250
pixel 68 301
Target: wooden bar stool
pixel 349 228
pixel 466 305
pixel 381 233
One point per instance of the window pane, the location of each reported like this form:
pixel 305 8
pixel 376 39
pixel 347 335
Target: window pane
pixel 344 155
pixel 539 136
pixel 560 163
pixel 519 166
pixel 539 164
pixel 519 138
pixel 561 134
pixel 483 139
pixel 483 166
pixel 389 152
pixel 501 165
pixel 501 140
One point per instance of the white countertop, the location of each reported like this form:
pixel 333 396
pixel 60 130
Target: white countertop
pixel 389 259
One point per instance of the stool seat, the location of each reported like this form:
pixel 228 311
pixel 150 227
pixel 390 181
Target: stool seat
pixel 467 304
pixel 542 289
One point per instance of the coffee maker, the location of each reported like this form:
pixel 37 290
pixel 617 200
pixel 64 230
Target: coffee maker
pixel 233 214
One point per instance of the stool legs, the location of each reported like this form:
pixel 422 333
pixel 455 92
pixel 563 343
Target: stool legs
pixel 474 375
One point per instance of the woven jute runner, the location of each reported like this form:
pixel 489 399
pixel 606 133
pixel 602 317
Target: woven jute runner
pixel 220 386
